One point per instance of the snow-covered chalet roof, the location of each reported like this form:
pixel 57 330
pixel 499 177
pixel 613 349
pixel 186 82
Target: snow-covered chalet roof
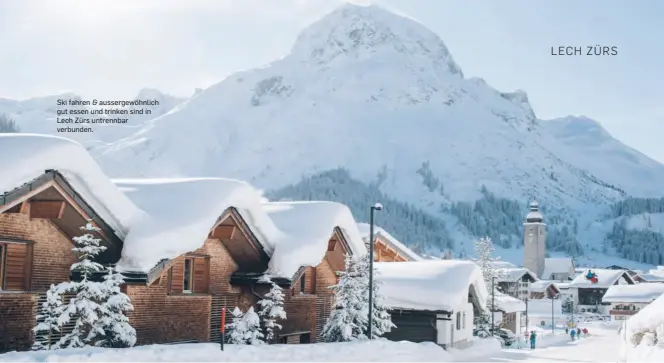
pixel 308 227
pixel 541 286
pixel 651 277
pixel 24 157
pixel 605 278
pixel 181 213
pixel 393 242
pixel 506 303
pixel 434 285
pixel 557 265
pixel 502 264
pixel 633 293
pixel 512 274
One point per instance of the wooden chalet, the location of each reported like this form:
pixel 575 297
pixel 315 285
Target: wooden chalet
pixel 386 247
pixel 37 223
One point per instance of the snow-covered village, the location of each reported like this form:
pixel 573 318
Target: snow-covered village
pixel 359 198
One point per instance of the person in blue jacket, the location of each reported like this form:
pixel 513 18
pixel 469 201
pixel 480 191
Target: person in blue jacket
pixel 533 338
pixel 572 333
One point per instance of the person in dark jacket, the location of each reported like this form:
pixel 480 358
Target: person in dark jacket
pixel 533 338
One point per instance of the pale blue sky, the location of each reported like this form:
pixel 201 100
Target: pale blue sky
pixel 113 48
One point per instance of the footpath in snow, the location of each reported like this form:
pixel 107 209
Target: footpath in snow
pixel 368 351
pixel 603 345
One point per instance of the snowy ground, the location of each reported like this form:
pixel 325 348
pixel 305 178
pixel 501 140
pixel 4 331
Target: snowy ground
pixel 603 345
pixel 374 351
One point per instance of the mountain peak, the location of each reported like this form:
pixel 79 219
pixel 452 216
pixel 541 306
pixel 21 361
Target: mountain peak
pixel 370 32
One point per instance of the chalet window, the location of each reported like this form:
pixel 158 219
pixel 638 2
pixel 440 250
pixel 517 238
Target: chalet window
pixel 15 266
pixel 458 321
pixel 2 266
pixel 464 320
pixel 303 280
pixel 283 340
pixel 188 275
pixel 305 338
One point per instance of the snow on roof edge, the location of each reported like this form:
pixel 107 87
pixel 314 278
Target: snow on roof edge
pixel 28 156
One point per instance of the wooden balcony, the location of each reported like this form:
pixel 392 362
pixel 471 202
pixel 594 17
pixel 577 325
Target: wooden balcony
pixel 623 312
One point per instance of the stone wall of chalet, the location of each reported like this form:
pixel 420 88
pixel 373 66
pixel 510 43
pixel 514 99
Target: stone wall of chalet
pixel 51 261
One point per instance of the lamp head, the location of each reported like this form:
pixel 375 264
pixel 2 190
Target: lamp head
pixel 378 206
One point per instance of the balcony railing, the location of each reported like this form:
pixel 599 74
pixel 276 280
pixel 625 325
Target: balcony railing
pixel 623 312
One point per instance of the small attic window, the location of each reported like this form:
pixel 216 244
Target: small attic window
pixel 331 244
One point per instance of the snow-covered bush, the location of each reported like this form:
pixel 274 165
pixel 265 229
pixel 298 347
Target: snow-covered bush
pixel 252 323
pixel 271 308
pixel 114 323
pixel 348 318
pixel 48 320
pixel 236 328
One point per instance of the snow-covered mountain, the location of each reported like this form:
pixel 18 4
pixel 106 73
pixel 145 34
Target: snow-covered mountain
pixel 380 96
pixel 38 115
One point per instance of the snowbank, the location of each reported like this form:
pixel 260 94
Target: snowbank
pixel 633 293
pixel 605 278
pixel 393 242
pixel 430 285
pixel 180 214
pixel 480 350
pixel 309 226
pixel 27 156
pixel 648 319
pixel 379 350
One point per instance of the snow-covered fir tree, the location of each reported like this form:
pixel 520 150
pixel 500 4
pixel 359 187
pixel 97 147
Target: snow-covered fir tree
pixel 252 323
pixel 348 318
pixel 271 308
pixel 114 323
pixel 48 320
pixel 485 260
pixel 237 328
pixel 381 319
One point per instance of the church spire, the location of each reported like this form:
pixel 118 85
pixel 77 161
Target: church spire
pixel 534 216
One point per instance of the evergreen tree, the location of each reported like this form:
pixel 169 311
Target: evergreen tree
pixel 115 324
pixel 381 319
pixel 348 318
pixel 252 324
pixel 85 307
pixel 271 308
pixel 485 260
pixel 7 125
pixel 237 328
pixel 48 320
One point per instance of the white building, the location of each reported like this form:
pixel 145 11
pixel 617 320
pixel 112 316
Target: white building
pixel 558 269
pixel 627 300
pixel 542 311
pixel 434 300
pixel 509 312
pixel 515 281
pixel 587 295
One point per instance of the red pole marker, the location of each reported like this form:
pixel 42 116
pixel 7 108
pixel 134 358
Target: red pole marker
pixel 223 327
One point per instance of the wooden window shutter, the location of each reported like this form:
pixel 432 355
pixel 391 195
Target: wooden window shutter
pixel 201 275
pixel 17 267
pixel 177 277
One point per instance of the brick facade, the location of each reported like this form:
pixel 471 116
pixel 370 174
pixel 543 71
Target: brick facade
pixel 52 258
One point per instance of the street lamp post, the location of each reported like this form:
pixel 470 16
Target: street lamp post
pixel 374 207
pixel 527 293
pixel 553 322
pixel 493 304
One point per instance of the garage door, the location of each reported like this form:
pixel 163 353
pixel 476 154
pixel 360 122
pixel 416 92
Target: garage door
pixel 413 327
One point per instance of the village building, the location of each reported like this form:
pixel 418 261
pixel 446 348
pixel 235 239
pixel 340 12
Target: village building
pixel 587 293
pixel 509 312
pixel 558 269
pixel 514 281
pixel 543 289
pixel 201 262
pixel 648 278
pixel 542 312
pixel 433 301
pixel 627 300
pixel 50 188
pixel 386 247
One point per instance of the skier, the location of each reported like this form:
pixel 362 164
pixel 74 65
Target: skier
pixel 585 332
pixel 572 333
pixel 578 332
pixel 566 330
pixel 533 337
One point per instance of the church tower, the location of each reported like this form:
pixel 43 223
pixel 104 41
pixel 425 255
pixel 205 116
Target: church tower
pixel 534 240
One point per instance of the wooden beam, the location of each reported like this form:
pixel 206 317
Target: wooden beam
pixel 79 210
pixel 25 197
pixel 46 209
pixel 223 232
